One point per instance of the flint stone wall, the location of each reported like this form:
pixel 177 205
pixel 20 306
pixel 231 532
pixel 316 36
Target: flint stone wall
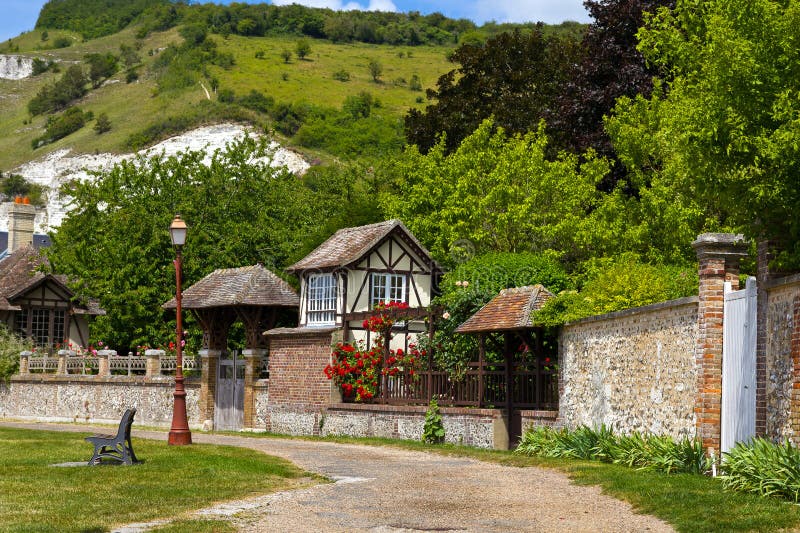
pixel 632 370
pixel 470 427
pixel 782 308
pixel 51 398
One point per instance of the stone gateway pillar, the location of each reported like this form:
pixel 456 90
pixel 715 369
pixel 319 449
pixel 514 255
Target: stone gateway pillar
pixel 718 255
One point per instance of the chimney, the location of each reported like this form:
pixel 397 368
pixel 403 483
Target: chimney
pixel 20 224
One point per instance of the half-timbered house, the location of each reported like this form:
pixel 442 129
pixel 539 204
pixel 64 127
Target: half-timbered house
pixel 343 279
pixel 33 303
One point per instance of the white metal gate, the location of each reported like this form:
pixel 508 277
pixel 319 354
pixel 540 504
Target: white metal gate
pixel 229 401
pixel 739 366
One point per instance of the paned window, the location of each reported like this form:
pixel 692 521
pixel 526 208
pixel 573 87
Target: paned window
pixel 40 326
pixel 58 326
pixel 21 323
pixel 321 291
pixel 387 288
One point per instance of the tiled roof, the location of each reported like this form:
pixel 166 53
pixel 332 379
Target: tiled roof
pixel 226 287
pixel 351 244
pixel 509 310
pixel 19 272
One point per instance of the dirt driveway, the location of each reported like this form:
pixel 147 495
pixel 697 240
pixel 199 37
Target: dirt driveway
pixel 382 489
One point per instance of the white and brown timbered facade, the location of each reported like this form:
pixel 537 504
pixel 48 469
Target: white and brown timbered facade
pixel 355 269
pixel 40 306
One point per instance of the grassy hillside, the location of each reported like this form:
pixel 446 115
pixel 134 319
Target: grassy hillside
pixel 131 107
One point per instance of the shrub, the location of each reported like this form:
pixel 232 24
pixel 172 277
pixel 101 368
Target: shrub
pixel 60 126
pixel 62 42
pixel 58 95
pixel 10 347
pixel 302 48
pixel 613 284
pixel 341 75
pixel 644 452
pixel 226 96
pixel 131 75
pixel 375 70
pixel 102 124
pixel 257 101
pixel 415 84
pixel 41 66
pixel 260 54
pixel 764 468
pixel 358 106
pixel 433 430
pixel 286 55
pixel 101 66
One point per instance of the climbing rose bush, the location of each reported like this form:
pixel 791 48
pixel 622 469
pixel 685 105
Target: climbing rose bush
pixel 357 370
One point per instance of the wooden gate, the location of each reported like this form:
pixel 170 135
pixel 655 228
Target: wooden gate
pixel 229 403
pixel 739 366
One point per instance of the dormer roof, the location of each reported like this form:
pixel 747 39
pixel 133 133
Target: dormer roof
pixel 508 311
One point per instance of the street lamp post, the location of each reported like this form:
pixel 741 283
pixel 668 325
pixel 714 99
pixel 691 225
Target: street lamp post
pixel 179 433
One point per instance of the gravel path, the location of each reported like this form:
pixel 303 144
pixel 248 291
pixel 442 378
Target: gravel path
pixel 382 489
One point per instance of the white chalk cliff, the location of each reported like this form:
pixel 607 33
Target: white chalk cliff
pixel 14 67
pixel 59 167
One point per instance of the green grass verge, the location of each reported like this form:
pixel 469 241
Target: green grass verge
pixel 36 496
pixel 690 503
pixel 196 526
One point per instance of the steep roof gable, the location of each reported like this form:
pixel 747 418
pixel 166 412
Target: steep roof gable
pixel 348 245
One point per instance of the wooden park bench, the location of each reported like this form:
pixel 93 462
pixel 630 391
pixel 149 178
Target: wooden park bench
pixel 115 447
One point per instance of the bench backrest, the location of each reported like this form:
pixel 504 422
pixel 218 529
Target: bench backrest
pixel 124 431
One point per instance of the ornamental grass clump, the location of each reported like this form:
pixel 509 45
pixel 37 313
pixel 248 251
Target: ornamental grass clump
pixel 763 467
pixel 643 452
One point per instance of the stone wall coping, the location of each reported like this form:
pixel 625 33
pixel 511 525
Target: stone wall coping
pixel 97 380
pixel 303 331
pixel 538 414
pixel 154 353
pixel 792 279
pixel 413 409
pixel 669 304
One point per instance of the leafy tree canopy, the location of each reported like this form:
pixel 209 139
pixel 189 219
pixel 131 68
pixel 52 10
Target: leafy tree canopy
pixel 239 210
pixel 514 77
pixel 93 18
pixel 726 133
pixel 495 193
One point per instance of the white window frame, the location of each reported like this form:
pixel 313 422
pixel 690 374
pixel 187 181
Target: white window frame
pixel 385 289
pixel 321 298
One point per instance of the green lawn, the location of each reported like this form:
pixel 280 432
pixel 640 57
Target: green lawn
pixel 36 496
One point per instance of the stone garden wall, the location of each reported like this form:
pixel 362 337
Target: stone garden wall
pixel 782 359
pixel 632 370
pixel 482 428
pixel 52 398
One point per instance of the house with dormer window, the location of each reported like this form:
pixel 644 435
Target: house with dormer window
pixel 345 277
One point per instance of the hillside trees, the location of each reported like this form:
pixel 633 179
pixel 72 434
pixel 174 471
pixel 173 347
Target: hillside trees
pixel 726 133
pixel 93 18
pixel 514 77
pixel 58 95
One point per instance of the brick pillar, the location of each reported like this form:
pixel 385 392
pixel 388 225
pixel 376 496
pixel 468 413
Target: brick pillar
pixel 208 386
pixel 794 409
pixel 153 368
pixel 104 366
pixel 252 370
pixel 718 255
pixel 762 307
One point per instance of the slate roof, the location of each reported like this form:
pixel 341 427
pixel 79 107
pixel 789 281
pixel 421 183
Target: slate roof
pixel 39 241
pixel 509 310
pixel 228 287
pixel 348 245
pixel 19 273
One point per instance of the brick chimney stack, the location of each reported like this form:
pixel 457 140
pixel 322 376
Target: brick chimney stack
pixel 20 224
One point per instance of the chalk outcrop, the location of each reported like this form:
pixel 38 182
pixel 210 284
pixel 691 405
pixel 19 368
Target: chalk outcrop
pixel 13 67
pixel 60 167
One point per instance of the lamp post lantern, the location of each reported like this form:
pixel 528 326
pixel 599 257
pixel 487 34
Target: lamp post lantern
pixel 179 433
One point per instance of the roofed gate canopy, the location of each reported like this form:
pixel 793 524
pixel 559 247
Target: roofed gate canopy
pixel 251 294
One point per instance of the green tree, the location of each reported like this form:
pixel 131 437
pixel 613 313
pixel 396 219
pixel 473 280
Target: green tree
pixel 102 124
pixel 101 67
pixel 514 77
pixel 726 133
pixel 286 55
pixel 240 211
pixel 302 48
pixel 496 192
pixel 58 95
pixel 375 70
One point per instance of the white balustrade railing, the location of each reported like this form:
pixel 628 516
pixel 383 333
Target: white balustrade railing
pixel 70 363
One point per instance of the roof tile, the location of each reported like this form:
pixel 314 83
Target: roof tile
pixel 509 310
